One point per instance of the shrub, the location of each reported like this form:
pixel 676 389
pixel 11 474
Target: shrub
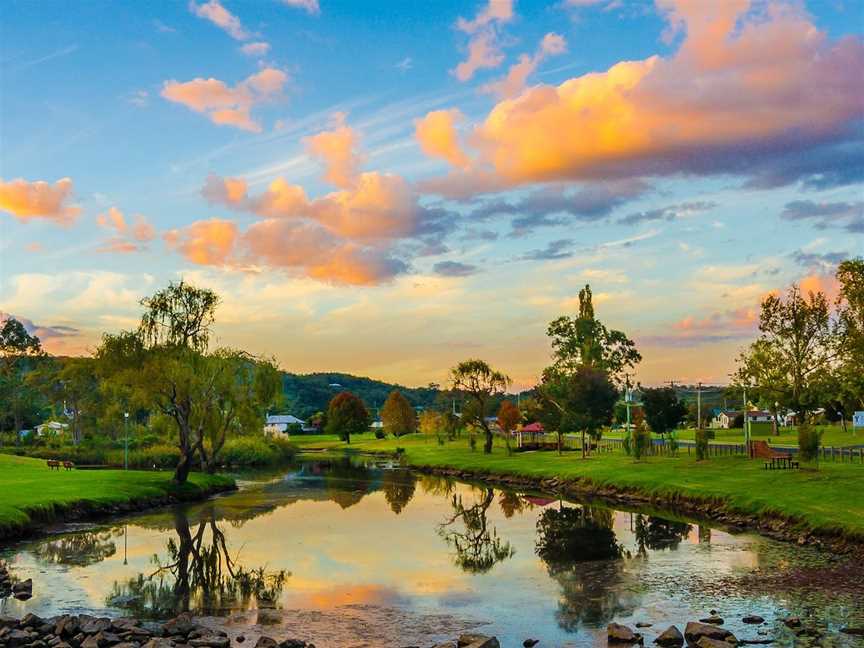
pixel 702 444
pixel 379 433
pixel 809 440
pixel 641 443
pixel 672 443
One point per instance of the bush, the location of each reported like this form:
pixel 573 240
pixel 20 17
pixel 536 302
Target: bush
pixel 672 443
pixel 380 434
pixel 641 443
pixel 256 451
pixel 702 444
pixel 809 440
pixel 626 444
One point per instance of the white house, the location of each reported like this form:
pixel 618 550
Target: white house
pixel 724 419
pixel 279 423
pixel 51 428
pixel 760 416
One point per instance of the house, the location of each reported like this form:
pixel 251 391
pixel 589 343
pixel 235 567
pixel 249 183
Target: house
pixel 51 428
pixel 280 424
pixel 724 419
pixel 760 416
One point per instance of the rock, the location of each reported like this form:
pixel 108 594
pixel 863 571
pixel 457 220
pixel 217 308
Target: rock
pixel 792 622
pixel 159 642
pixel 530 643
pixel 753 619
pixel 30 620
pixel 265 642
pixel 294 643
pixel 180 625
pixel 446 644
pixel 471 640
pixel 240 638
pixel 621 634
pixel 67 626
pixel 216 641
pixel 694 631
pixel 713 620
pixel 96 625
pixel 643 624
pixel 707 642
pixel 808 632
pixel 17 638
pixel 269 616
pixel 671 637
pixel 23 590
pixel 858 632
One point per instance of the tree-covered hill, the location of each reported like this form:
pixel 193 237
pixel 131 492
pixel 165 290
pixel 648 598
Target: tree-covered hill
pixel 305 394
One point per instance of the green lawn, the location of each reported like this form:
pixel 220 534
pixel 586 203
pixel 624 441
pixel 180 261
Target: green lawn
pixel 832 435
pixel 31 492
pixel 830 498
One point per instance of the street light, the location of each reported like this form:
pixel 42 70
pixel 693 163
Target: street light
pixel 125 440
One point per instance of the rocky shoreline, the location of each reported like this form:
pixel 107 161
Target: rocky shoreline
pixel 86 510
pixel 85 631
pixel 718 512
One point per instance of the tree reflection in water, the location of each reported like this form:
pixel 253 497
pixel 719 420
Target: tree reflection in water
pixel 658 533
pixel 347 482
pixel 512 503
pixel 583 555
pixel 478 547
pixel 399 487
pixel 79 549
pixel 200 575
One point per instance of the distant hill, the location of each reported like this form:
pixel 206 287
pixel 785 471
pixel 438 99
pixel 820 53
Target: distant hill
pixel 305 394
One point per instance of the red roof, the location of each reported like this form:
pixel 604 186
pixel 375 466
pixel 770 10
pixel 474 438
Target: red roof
pixel 533 427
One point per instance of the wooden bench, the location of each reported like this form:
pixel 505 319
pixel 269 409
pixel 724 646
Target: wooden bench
pixel 68 465
pixel 53 464
pixel 773 459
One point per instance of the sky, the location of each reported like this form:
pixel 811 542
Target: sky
pixel 389 188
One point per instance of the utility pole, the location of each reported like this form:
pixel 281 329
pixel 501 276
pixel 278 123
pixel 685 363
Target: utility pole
pixel 746 421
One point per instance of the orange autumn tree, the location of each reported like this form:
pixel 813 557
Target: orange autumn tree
pixel 508 416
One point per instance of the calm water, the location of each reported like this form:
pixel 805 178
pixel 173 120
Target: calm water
pixel 364 554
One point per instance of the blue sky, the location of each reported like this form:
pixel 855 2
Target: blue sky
pixel 683 187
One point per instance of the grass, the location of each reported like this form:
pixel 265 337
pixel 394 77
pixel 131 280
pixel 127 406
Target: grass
pixel 32 493
pixel 830 499
pixel 832 435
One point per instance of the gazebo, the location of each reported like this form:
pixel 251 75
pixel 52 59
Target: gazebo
pixel 532 429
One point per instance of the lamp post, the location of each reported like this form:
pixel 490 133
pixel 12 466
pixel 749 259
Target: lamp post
pixel 125 440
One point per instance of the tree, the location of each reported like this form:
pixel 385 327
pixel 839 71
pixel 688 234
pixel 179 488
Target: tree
pixel 663 410
pixel 347 415
pixel 585 341
pixel 848 383
pixel 478 548
pixel 398 416
pixel 72 386
pixel 18 349
pixel 479 382
pixel 792 356
pixel 398 487
pixel 585 399
pixel 178 316
pixel 508 417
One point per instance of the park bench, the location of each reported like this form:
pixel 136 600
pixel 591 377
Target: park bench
pixel 68 465
pixel 53 464
pixel 773 459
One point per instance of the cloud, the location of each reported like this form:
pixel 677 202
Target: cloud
pixel 514 83
pixel 454 269
pixel 28 200
pixel 303 248
pixel 138 98
pixel 744 87
pixel 483 49
pixel 825 261
pixel 126 237
pixel 560 249
pixel 40 331
pixel 221 17
pixel 718 326
pixel 256 49
pixel 337 149
pixel 845 215
pixel 670 213
pixel 311 6
pixel 405 64
pixel 437 136
pixel 224 104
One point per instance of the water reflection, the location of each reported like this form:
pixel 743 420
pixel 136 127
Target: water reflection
pixel 78 550
pixel 399 487
pixel 658 533
pixel 200 575
pixel 476 543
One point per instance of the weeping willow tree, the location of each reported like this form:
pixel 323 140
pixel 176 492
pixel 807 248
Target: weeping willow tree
pixel 477 544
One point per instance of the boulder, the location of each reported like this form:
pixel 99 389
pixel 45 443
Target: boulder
pixel 707 642
pixel 621 634
pixel 694 631
pixel 18 638
pixel 294 643
pixel 671 637
pixel 472 640
pixel 753 619
pixel 67 626
pixel 530 643
pixel 713 620
pixel 23 590
pixel 211 641
pixel 95 626
pixel 792 622
pixel 265 642
pixel 857 632
pixel 159 642
pixel 269 616
pixel 181 625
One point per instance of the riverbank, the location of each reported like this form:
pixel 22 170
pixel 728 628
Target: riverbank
pixel 823 506
pixel 34 496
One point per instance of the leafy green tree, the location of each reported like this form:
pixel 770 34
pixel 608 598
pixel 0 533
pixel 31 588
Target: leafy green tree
pixel 585 399
pixel 19 351
pixel 791 359
pixel 848 383
pixel 73 386
pixel 585 341
pixel 398 416
pixel 347 415
pixel 479 383
pixel 663 411
pixel 178 316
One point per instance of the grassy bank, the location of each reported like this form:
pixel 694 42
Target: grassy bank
pixel 33 494
pixel 828 500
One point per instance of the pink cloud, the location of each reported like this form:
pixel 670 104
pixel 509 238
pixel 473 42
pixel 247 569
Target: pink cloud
pixel 29 200
pixel 311 6
pixel 514 83
pixel 337 149
pixel 221 17
pixel 483 49
pixel 126 237
pixel 224 104
pixel 255 49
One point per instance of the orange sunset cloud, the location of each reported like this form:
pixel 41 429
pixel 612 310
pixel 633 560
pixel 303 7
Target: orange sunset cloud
pixel 27 200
